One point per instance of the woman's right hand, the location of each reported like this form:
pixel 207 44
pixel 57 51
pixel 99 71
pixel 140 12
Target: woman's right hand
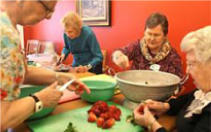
pixel 49 96
pixel 120 59
pixel 158 108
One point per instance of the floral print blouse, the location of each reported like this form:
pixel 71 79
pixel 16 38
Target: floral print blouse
pixel 171 64
pixel 12 61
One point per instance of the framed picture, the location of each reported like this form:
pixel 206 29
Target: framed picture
pixel 94 12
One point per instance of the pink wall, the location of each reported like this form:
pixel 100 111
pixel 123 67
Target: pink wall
pixel 128 19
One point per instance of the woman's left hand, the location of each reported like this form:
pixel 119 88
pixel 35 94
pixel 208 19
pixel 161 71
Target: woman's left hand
pixel 144 118
pixel 77 86
pixel 81 69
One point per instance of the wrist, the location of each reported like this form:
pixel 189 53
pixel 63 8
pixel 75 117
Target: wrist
pixel 150 126
pixel 38 105
pixel 89 66
pixel 166 106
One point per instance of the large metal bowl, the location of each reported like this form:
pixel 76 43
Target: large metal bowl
pixel 140 85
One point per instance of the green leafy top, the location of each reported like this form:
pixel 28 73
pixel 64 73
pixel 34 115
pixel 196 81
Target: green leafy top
pixel 70 128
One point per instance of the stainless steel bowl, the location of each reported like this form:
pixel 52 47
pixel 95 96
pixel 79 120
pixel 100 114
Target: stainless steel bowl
pixel 140 85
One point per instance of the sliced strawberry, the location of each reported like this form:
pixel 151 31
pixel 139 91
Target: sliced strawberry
pixel 92 117
pixel 100 122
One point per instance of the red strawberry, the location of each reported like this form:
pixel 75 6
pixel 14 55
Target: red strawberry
pixel 108 123
pixel 141 109
pixel 116 117
pixel 97 112
pixel 92 117
pixel 100 122
pixel 112 108
pixel 118 112
pixel 107 115
pixel 102 115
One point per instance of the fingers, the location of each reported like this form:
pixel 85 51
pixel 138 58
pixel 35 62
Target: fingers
pixel 79 87
pixel 122 61
pixel 62 58
pixel 81 69
pixel 53 85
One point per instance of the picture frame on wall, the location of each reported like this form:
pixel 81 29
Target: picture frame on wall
pixel 94 12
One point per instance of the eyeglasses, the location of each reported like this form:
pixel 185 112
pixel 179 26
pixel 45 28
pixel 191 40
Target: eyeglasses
pixel 49 11
pixel 191 65
pixel 150 35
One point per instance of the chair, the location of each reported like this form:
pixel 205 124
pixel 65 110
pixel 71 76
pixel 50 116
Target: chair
pixel 105 66
pixel 32 47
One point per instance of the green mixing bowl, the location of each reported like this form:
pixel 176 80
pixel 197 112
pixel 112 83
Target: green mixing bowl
pixel 100 90
pixel 28 90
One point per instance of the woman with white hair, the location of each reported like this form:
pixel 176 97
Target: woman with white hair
pixel 193 110
pixel 82 43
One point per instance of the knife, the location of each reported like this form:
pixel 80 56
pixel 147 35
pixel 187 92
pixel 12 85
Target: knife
pixel 66 85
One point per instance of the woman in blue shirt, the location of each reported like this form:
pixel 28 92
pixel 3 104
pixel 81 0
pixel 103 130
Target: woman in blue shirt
pixel 82 43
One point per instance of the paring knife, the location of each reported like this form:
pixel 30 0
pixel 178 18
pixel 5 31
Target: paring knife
pixel 66 85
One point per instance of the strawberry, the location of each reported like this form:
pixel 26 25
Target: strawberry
pixel 107 115
pixel 118 112
pixel 141 109
pixel 92 117
pixel 112 108
pixel 108 123
pixel 116 117
pixel 100 122
pixel 97 112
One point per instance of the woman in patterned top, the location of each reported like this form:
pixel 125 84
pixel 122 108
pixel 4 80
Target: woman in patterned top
pixel 13 71
pixel 153 51
pixel 194 109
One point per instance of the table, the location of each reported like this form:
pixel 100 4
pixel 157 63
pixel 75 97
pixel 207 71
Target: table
pixel 165 120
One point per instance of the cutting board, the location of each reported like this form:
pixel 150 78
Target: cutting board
pixel 58 123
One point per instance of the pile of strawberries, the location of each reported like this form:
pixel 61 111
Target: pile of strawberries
pixel 104 115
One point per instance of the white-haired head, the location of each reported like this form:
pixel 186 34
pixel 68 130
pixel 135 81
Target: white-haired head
pixel 199 42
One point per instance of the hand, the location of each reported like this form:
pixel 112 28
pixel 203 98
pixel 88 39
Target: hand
pixel 49 96
pixel 81 69
pixel 144 118
pixel 61 59
pixel 77 86
pixel 120 59
pixel 157 107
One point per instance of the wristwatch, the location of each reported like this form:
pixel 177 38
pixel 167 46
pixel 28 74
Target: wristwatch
pixel 89 66
pixel 38 104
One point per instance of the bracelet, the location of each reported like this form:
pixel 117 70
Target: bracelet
pixel 57 76
pixel 149 127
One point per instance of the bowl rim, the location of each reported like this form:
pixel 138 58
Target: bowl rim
pixel 148 85
pixel 109 87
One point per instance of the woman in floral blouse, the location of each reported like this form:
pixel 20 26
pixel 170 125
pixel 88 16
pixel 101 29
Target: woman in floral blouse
pixel 194 109
pixel 13 71
pixel 153 51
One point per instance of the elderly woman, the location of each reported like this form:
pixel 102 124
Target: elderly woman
pixel 82 43
pixel 193 110
pixel 153 51
pixel 13 71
